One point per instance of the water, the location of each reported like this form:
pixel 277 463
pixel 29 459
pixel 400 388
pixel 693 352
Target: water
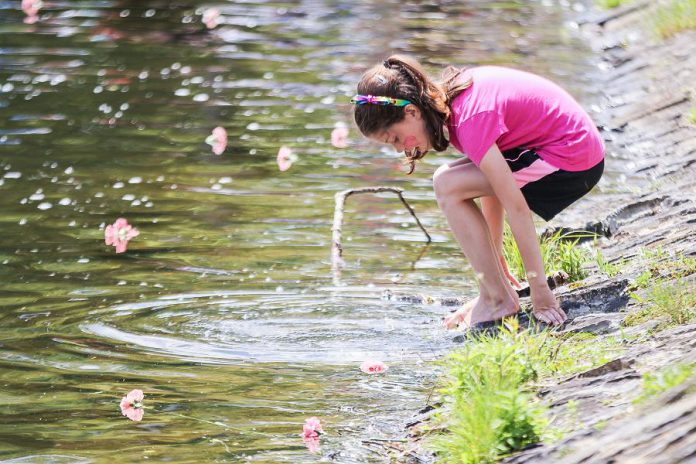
pixel 224 310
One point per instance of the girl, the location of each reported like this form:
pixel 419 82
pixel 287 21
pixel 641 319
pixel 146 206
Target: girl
pixel 529 147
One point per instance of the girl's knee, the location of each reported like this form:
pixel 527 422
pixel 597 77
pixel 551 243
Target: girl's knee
pixel 440 180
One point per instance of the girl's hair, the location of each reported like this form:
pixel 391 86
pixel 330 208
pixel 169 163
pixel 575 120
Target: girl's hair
pixel 401 76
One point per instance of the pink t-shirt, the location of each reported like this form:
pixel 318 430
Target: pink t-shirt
pixel 518 109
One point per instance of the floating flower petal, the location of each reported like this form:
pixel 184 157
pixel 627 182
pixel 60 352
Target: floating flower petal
pixel 211 18
pixel 132 405
pixel 373 367
pixel 312 428
pixel 217 140
pixel 119 233
pixel 285 158
pixel 339 137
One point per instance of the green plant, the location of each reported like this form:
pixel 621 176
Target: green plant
pixel 558 252
pixel 654 384
pixel 489 413
pixel 674 17
pixel 490 409
pixel 643 280
pixel 675 303
pixel 607 4
pixel 610 269
pixel 691 116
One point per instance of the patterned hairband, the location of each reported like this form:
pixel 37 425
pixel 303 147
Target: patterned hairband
pixel 374 100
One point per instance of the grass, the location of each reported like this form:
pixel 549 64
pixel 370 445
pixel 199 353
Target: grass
pixel 558 252
pixel 672 303
pixel 490 409
pixel 607 268
pixel 659 266
pixel 668 378
pixel 674 17
pixel 691 116
pixel 608 4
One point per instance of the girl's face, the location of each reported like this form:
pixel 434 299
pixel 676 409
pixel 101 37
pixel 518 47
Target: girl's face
pixel 408 135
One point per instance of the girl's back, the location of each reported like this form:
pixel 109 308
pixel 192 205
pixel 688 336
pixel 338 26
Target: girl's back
pixel 518 109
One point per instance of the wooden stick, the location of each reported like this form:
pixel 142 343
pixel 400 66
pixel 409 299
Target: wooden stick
pixel 336 247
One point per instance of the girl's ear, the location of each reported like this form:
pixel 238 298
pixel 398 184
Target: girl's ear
pixel 413 111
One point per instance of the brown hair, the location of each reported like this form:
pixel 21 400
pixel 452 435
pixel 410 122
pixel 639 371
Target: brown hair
pixel 401 76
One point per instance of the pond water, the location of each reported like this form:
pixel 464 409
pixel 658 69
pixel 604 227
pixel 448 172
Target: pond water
pixel 224 310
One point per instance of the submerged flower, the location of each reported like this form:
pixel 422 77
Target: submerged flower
pixel 339 137
pixel 218 140
pixel 210 18
pixel 373 367
pixel 132 405
pixel 31 9
pixel 312 444
pixel 285 158
pixel 119 233
pixel 312 428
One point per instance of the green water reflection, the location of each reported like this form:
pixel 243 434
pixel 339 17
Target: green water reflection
pixel 224 310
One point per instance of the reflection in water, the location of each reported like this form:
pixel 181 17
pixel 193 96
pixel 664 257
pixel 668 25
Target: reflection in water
pixel 223 308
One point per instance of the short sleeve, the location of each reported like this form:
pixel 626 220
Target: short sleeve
pixel 477 134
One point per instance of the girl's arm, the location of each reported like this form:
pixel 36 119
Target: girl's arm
pixel 505 188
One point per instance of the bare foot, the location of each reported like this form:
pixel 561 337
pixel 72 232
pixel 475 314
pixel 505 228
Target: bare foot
pixel 477 311
pixel 482 312
pixel 452 321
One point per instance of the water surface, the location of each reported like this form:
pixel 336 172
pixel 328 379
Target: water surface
pixel 224 310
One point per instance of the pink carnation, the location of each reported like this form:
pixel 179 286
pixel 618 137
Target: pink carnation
pixel 119 233
pixel 312 428
pixel 218 140
pixel 31 7
pixel 285 158
pixel 210 18
pixel 132 405
pixel 373 367
pixel 339 137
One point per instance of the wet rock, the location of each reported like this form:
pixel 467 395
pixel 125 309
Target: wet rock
pixel 595 323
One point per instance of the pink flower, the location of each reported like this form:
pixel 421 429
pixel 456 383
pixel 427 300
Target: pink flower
pixel 210 18
pixel 119 233
pixel 312 444
pixel 373 367
pixel 218 140
pixel 31 7
pixel 285 158
pixel 312 428
pixel 132 405
pixel 339 137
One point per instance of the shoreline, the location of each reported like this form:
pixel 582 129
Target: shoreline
pixel 649 86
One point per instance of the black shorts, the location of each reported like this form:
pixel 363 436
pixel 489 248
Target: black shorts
pixel 547 189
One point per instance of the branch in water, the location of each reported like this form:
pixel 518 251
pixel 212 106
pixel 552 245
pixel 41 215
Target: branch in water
pixel 336 247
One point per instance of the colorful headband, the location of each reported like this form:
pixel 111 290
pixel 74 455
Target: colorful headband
pixel 373 100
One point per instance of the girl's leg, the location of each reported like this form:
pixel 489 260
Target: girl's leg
pixel 456 186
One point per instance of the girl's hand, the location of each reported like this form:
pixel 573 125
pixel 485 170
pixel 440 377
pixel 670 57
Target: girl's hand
pixel 513 281
pixel 546 307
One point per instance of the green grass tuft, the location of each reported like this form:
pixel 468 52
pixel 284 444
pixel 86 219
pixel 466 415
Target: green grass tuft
pixel 673 303
pixel 558 252
pixel 668 378
pixel 691 116
pixel 490 409
pixel 675 17
pixel 608 4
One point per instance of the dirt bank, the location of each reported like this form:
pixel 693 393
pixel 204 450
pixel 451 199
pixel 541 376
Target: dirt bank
pixel 649 87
